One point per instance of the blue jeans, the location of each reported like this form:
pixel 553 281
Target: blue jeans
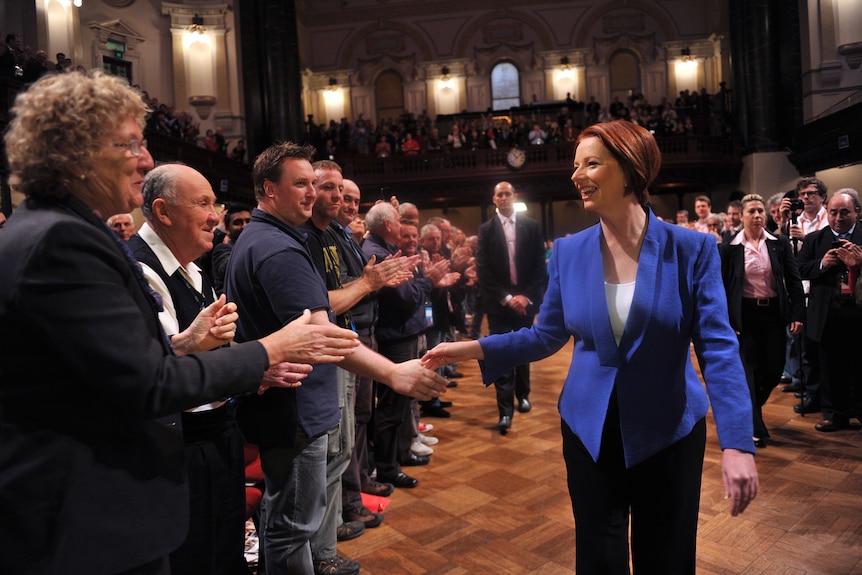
pixel 293 503
pixel 340 448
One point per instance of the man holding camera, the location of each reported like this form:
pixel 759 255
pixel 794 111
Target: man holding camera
pixel 804 213
pixel 831 259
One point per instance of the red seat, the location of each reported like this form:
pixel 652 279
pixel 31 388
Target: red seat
pixel 253 479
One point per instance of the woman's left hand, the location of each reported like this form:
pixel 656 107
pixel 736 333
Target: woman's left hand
pixel 796 327
pixel 739 476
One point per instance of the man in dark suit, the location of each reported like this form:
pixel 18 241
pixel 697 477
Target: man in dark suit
pixel 831 259
pixel 510 263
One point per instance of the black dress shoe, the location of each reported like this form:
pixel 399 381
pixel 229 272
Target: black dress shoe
pixel 524 405
pixel 759 442
pixel 445 404
pixel 809 405
pixel 435 412
pixel 792 387
pixel 401 480
pixel 504 424
pixel 452 383
pixel 454 375
pixel 828 425
pixel 412 460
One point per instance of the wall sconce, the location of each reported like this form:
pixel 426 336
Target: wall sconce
pixel 565 62
pixel 445 70
pixel 333 85
pixel 686 54
pixel 197 25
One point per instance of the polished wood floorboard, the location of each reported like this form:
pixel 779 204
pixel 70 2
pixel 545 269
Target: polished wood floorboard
pixel 489 504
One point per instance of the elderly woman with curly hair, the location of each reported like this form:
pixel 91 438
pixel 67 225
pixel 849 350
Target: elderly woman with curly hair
pixel 91 451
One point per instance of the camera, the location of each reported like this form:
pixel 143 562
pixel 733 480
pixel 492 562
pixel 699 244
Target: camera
pixel 836 243
pixel 796 205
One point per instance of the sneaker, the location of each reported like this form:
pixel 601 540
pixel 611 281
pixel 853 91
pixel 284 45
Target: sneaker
pixel 420 448
pixel 350 530
pixel 428 440
pixel 425 427
pixel 336 566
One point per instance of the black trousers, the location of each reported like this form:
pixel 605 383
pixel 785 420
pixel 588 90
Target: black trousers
pixel 515 383
pixel 393 409
pixel 762 347
pixel 660 494
pixel 215 543
pixel 841 379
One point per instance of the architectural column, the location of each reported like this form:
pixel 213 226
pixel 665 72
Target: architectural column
pixel 271 72
pixel 767 64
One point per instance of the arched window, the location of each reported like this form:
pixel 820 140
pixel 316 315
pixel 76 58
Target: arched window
pixel 505 86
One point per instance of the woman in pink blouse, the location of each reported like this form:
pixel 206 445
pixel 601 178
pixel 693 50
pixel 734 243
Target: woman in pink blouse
pixel 764 295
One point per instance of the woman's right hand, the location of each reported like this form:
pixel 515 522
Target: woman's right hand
pixel 452 352
pixel 301 341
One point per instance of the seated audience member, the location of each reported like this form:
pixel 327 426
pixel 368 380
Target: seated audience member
pixel 456 139
pixel 410 147
pixel 537 135
pixel 123 225
pixel 238 152
pixel 383 149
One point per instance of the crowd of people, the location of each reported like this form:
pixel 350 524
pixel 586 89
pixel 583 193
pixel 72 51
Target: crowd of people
pixel 691 113
pixel 328 341
pixel 21 62
pixel 792 297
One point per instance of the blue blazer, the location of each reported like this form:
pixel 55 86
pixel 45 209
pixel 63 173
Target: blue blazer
pixel 679 299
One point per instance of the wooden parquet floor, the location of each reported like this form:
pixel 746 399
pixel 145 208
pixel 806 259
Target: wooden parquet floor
pixel 489 504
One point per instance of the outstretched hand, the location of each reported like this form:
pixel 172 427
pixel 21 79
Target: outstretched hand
pixel 302 341
pixel 413 379
pixel 452 352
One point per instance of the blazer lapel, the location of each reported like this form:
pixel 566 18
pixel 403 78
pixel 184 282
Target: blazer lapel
pixel 647 289
pixel 603 334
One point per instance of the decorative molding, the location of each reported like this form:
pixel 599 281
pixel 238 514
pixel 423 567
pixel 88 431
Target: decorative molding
pixel 116 29
pixel 385 43
pixel 182 14
pixel 118 3
pixel 642 44
pixel 503 33
pixel 623 23
pixel 852 53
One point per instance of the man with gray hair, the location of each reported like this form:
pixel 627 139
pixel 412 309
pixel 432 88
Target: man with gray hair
pixel 831 259
pixel 400 336
pixel 123 225
pixel 179 206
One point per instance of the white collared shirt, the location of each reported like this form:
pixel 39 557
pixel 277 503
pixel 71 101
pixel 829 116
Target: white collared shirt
pixel 192 273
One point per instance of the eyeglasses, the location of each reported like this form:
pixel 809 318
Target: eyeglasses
pixel 134 145
pixel 806 194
